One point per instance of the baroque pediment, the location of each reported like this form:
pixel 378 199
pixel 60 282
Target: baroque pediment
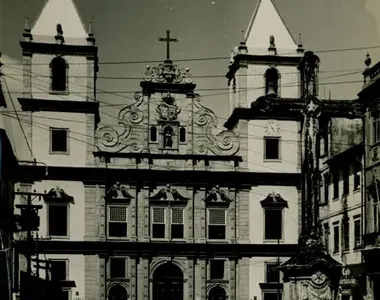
pixel 217 195
pixel 58 195
pixel 168 194
pixel 274 200
pixel 119 192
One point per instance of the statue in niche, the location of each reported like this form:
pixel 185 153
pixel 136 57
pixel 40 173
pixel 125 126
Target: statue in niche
pixel 168 137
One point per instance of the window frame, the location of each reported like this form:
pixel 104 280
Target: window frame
pixel 375 137
pixel 270 264
pixel 326 187
pixel 346 235
pixel 170 227
pixel 336 188
pixel 127 208
pixel 357 219
pixel 346 181
pixel 65 260
pixel 278 159
pixel 209 224
pixel 51 152
pixel 66 90
pixel 219 260
pixel 53 236
pixel 152 208
pixel 109 267
pixel 326 238
pixel 357 177
pixel 282 225
pixel 336 238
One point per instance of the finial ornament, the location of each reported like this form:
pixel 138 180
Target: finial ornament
pixel 27 25
pixel 368 60
pixel 271 42
pixel 59 30
pixel 168 40
pixel 90 29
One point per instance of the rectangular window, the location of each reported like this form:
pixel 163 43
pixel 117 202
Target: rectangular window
pixel 336 185
pixel 346 235
pixel 177 223
pixel 336 238
pixel 272 273
pixel 346 181
pixel 117 221
pixel 272 296
pixel 58 270
pixel 376 130
pixel 158 223
pixel 271 148
pixel 273 224
pixel 58 140
pixel 217 224
pixel 326 182
pixel 217 269
pixel 357 232
pixel 326 235
pixel 357 171
pixel 117 267
pixel 57 220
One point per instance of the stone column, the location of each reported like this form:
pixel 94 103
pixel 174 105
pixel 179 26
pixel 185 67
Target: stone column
pixel 202 212
pixel 201 277
pixel 142 207
pixel 101 191
pixel 231 222
pixel 90 212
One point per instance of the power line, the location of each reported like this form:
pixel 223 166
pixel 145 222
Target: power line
pixel 212 58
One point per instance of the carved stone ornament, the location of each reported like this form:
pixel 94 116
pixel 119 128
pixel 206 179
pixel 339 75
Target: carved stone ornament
pixel 217 195
pixel 225 142
pixel 169 194
pixel 167 72
pixel 118 191
pixel 168 110
pixel 58 195
pixel 109 139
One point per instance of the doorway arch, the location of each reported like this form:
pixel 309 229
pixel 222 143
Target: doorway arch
pixel 168 282
pixel 217 293
pixel 117 292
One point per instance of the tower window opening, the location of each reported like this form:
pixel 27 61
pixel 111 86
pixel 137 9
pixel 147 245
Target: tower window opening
pixel 271 82
pixel 153 133
pixel 58 74
pixel 182 135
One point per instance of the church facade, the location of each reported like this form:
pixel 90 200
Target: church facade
pixel 162 204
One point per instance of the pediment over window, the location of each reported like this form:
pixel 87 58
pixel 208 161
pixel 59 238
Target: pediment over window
pixel 274 200
pixel 118 194
pixel 217 196
pixel 168 194
pixel 58 195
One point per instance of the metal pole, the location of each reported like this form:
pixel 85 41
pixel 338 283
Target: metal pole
pixel 29 244
pixel 278 265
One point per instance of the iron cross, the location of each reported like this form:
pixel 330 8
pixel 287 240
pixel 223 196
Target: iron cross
pixel 168 40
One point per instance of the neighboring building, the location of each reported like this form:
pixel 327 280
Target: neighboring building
pixel 341 161
pixel 158 206
pixel 264 68
pixel 7 162
pixel 371 251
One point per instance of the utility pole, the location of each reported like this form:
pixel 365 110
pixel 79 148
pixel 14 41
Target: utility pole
pixel 29 221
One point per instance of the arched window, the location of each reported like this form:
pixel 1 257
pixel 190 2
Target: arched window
pixel 271 82
pixel 217 293
pixel 59 74
pixel 153 133
pixel 182 135
pixel 168 282
pixel 117 292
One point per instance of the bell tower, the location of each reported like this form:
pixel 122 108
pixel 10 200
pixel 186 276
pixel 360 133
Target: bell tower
pixel 60 63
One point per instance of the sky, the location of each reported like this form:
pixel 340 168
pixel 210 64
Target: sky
pixel 129 31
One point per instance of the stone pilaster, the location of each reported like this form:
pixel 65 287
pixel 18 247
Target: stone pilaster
pixel 243 217
pixel 92 277
pixel 90 139
pixel 200 280
pixel 202 214
pixel 133 214
pixel 101 191
pixel 143 214
pixel 231 222
pixel 232 292
pixel 190 215
pixel 133 278
pixel 91 65
pixel 103 277
pixel 143 278
pixel 90 212
pixel 191 279
pixel 243 280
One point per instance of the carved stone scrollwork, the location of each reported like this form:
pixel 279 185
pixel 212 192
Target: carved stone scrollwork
pixel 225 142
pixel 109 139
pixel 167 72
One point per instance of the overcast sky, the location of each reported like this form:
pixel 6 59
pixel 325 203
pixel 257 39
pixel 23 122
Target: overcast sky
pixel 128 31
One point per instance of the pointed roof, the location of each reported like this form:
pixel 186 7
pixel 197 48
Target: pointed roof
pixel 267 21
pixel 62 12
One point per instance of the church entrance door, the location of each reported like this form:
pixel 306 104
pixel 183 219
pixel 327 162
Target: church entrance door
pixel 168 282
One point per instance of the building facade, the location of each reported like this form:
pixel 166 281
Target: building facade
pixel 159 205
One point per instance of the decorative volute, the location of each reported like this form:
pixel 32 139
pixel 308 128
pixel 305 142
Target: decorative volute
pixel 169 194
pixel 58 195
pixel 217 195
pixel 118 191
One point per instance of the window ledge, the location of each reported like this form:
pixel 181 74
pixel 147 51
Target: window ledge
pixel 346 251
pixel 58 237
pixel 357 190
pixel 271 241
pixel 59 152
pixel 278 160
pixel 357 249
pixel 123 238
pixel 335 199
pixel 217 241
pixel 59 93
